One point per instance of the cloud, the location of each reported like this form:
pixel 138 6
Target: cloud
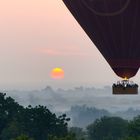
pixel 55 52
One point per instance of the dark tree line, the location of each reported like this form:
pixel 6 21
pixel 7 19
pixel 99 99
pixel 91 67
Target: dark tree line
pixel 36 122
pixel 114 128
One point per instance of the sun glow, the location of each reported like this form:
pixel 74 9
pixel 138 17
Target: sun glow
pixel 57 73
pixel 125 78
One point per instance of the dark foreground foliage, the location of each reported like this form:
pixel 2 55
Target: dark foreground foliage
pixel 39 123
pixel 108 128
pixel 114 128
pixel 36 122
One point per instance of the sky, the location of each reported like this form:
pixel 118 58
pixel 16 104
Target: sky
pixel 39 35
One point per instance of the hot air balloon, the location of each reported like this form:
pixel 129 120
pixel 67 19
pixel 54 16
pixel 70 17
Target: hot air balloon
pixel 114 28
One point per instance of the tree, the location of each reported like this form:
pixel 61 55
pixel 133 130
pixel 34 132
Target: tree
pixel 107 128
pixel 12 130
pixel 134 127
pixel 67 137
pixel 36 122
pixel 78 132
pixel 131 138
pixel 22 137
pixel 8 109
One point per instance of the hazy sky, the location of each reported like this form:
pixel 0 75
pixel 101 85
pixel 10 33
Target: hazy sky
pixel 39 35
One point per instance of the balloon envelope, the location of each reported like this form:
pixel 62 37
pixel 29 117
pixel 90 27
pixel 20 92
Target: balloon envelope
pixel 114 27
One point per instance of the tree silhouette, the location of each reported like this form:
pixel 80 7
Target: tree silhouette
pixel 22 137
pixel 36 122
pixel 134 127
pixel 107 128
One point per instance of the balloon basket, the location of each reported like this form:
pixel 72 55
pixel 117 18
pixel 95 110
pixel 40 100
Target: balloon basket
pixel 125 87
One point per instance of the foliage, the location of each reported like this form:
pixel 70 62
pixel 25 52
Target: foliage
pixel 131 138
pixel 134 127
pixel 78 132
pixel 67 137
pixel 39 123
pixel 107 128
pixel 22 137
pixel 12 130
pixel 8 109
pixel 36 122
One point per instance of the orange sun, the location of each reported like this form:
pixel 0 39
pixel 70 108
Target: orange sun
pixel 57 73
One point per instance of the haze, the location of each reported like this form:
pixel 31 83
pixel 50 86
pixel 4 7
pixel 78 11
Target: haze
pixel 37 36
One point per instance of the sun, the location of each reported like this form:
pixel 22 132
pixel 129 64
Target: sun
pixel 57 73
